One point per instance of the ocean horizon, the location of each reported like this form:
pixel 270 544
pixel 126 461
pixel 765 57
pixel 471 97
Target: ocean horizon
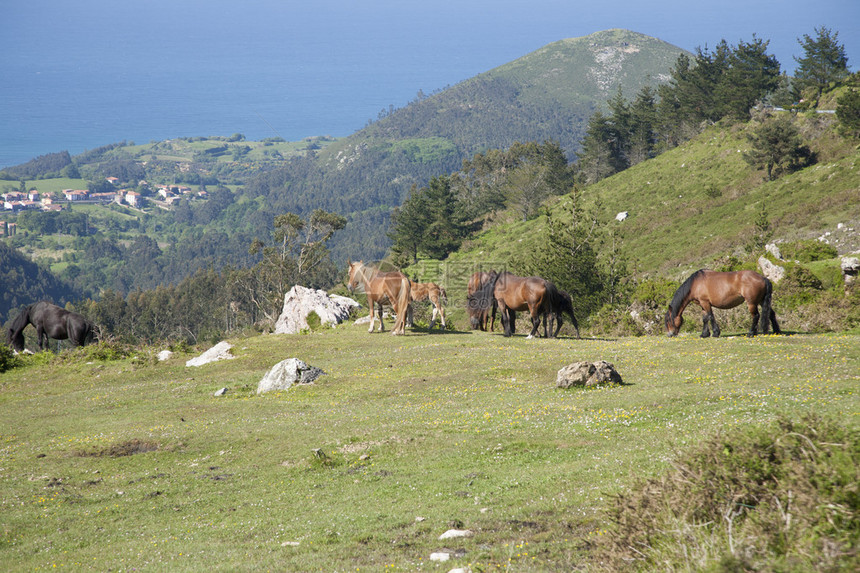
pixel 79 75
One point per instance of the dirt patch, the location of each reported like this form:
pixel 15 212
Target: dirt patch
pixel 120 449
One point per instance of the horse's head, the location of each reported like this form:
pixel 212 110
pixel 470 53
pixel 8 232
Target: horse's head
pixel 15 342
pixel 673 323
pixel 354 275
pixel 476 307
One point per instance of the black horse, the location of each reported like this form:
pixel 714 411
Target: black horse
pixel 50 321
pixel 560 304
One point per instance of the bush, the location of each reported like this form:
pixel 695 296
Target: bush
pixel 8 360
pixel 777 498
pixel 807 251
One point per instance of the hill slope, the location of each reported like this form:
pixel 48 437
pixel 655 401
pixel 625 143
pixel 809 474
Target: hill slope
pixel 699 202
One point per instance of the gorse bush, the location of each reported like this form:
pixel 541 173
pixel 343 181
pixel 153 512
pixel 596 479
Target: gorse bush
pixel 777 498
pixel 807 251
pixel 8 360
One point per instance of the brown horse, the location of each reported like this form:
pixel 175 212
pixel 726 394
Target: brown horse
pixel 436 295
pixel 532 294
pixel 712 289
pixel 390 287
pixel 481 308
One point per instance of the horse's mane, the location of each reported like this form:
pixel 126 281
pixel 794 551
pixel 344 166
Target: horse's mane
pixel 683 292
pixel 483 297
pixel 21 321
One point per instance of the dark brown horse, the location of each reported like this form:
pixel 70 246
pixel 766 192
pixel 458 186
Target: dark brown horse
pixel 50 321
pixel 390 287
pixel 514 293
pixel 712 289
pixel 481 308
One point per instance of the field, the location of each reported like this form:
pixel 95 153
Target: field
pixel 133 464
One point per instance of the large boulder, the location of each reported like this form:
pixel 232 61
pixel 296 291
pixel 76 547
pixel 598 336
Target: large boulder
pixel 771 271
pixel 220 351
pixel 301 301
pixel 850 269
pixel 286 373
pixel 587 374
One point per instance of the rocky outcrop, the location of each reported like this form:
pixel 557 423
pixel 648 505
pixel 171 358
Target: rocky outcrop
pixel 771 271
pixel 850 269
pixel 587 374
pixel 301 302
pixel 285 373
pixel 220 351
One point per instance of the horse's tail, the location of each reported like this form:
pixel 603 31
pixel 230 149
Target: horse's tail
pixel 567 306
pixel 766 310
pixel 404 297
pixel 768 315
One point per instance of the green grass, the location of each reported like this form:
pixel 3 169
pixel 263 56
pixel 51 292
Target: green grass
pixel 133 464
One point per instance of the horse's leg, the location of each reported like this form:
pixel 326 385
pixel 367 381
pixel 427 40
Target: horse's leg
pixel 506 320
pixel 755 318
pixel 535 316
pixel 379 312
pixel 706 318
pixel 409 318
pixel 714 326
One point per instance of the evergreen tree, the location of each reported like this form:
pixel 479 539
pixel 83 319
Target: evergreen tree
pixel 776 146
pixel 824 60
pixel 848 113
pixel 599 157
pixel 567 256
pixel 751 74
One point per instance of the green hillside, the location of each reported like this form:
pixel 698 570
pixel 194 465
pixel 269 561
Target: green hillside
pixel 697 203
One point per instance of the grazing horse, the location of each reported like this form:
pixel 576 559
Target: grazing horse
pixel 560 304
pixel 436 295
pixel 50 321
pixel 532 294
pixel 712 289
pixel 391 287
pixel 480 307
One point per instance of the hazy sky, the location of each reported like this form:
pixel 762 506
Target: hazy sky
pixel 314 67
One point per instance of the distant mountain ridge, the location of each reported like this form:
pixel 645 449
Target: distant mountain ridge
pixel 548 94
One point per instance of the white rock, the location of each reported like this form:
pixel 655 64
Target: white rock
pixel 771 271
pixel 440 556
pixel 164 355
pixel 220 351
pixel 621 216
pixel 453 533
pixel 286 373
pixel 301 301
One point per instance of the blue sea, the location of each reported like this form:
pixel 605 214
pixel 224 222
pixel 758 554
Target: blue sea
pixel 78 75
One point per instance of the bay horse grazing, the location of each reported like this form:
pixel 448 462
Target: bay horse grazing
pixel 711 289
pixel 481 305
pixel 435 294
pixel 514 293
pixel 391 287
pixel 50 321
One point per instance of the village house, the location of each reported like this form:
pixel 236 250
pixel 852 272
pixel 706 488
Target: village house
pixel 75 195
pixel 133 198
pixel 112 180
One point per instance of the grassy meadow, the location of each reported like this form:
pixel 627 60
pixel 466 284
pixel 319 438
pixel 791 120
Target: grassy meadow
pixel 134 464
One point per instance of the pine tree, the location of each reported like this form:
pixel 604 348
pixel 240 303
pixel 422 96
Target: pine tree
pixel 824 60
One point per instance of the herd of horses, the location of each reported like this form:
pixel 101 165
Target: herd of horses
pixel 488 293
pixel 491 292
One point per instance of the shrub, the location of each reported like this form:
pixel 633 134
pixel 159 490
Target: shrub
pixel 776 498
pixel 8 360
pixel 808 250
